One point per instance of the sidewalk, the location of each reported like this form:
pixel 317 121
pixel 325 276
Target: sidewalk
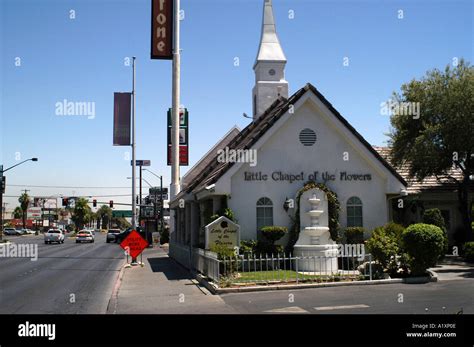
pixel 454 268
pixel 162 286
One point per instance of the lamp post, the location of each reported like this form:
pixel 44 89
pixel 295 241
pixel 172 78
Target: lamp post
pixel 2 190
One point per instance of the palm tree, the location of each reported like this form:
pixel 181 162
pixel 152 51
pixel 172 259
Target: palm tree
pixel 17 212
pixel 81 213
pixel 24 201
pixel 105 213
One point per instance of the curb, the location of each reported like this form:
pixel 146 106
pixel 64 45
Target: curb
pixel 112 304
pixel 216 290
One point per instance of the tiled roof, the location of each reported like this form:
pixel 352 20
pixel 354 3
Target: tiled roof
pixel 255 130
pixel 430 183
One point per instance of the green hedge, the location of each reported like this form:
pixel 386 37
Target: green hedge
pixel 354 235
pixel 424 243
pixel 273 233
pixel 469 251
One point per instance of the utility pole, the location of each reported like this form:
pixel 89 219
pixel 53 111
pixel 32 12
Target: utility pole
pixel 175 186
pixel 140 201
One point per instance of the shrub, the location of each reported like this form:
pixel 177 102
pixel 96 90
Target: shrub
pixel 469 251
pixel 248 246
pixel 384 248
pixel 395 231
pixel 354 235
pixel 273 233
pixel 224 253
pixel 424 243
pixel 433 216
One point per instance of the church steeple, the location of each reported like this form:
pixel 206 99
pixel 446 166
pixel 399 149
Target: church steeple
pixel 269 66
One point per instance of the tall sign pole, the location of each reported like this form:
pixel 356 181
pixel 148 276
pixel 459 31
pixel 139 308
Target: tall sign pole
pixel 175 186
pixel 134 207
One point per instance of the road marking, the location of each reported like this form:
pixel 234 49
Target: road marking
pixel 343 307
pixel 292 309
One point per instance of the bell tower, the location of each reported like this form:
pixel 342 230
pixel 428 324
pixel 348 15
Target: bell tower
pixel 269 66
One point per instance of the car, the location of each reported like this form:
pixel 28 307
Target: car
pixel 85 236
pixel 120 237
pixel 12 232
pixel 27 231
pixel 53 235
pixel 111 234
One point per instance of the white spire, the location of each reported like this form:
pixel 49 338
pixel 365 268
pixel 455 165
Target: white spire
pixel 270 49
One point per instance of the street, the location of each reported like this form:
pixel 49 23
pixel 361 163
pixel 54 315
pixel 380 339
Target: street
pixel 373 299
pixel 67 278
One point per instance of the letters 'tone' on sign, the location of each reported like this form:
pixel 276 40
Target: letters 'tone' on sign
pixel 162 29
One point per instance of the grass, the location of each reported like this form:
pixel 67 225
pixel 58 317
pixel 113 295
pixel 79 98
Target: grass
pixel 287 276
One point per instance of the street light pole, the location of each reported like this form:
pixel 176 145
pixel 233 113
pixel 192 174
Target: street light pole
pixel 2 171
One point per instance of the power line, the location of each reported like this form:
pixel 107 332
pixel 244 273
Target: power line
pixel 64 187
pixel 78 196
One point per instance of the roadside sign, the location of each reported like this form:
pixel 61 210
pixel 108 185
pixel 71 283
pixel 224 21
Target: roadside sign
pixel 134 244
pixel 33 213
pixel 122 213
pixel 141 162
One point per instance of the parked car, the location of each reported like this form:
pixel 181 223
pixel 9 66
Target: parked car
pixel 11 231
pixel 53 235
pixel 85 236
pixel 120 237
pixel 111 234
pixel 27 231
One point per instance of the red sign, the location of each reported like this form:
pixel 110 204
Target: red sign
pixel 183 155
pixel 134 244
pixel 162 29
pixel 122 102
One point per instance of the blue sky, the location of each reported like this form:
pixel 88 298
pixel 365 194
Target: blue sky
pixel 82 59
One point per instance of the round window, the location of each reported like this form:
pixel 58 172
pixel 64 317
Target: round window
pixel 272 72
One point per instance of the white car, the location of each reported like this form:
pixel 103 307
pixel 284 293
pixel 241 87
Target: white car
pixel 85 236
pixel 27 231
pixel 53 235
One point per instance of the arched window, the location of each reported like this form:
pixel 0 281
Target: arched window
pixel 354 212
pixel 264 213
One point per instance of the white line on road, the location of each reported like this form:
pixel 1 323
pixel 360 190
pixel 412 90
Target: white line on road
pixel 343 307
pixel 292 309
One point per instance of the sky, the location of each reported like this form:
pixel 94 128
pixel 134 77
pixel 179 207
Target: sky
pixel 53 50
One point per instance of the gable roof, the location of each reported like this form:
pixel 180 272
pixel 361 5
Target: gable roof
pixel 206 159
pixel 255 130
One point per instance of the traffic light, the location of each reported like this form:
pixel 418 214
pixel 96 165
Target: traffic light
pixel 136 200
pixel 4 184
pixel 65 202
pixel 111 203
pixel 94 203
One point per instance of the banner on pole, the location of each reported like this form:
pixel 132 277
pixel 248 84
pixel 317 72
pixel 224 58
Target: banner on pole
pixel 162 29
pixel 122 117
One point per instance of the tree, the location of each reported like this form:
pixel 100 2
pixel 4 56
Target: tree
pixel 17 212
pixel 441 136
pixel 24 201
pixel 105 213
pixel 81 213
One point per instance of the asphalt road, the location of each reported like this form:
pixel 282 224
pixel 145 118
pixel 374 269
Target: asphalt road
pixel 439 297
pixel 67 278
